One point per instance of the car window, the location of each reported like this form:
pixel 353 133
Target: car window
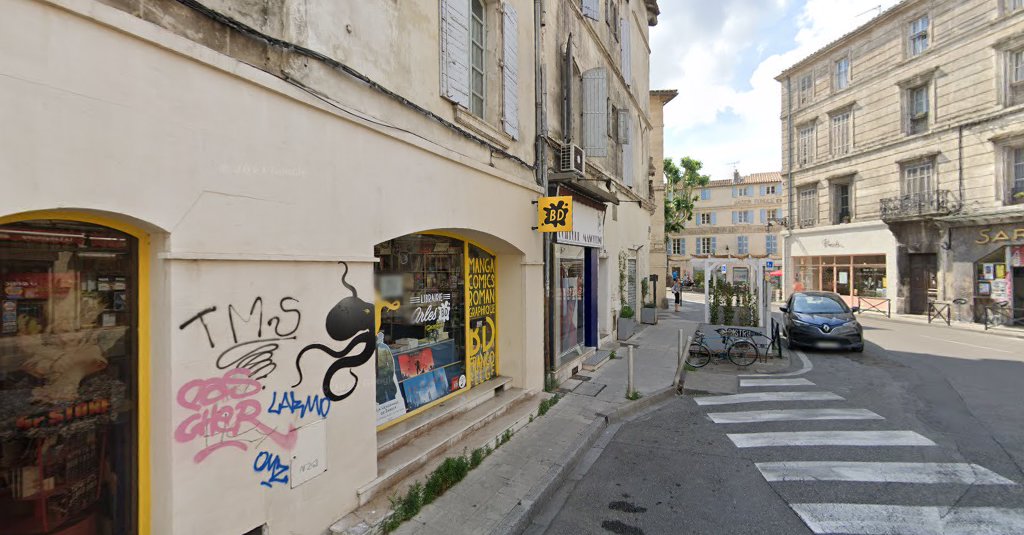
pixel 818 304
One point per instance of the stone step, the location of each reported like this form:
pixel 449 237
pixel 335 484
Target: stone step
pixel 401 433
pixel 375 504
pixel 598 359
pixel 434 440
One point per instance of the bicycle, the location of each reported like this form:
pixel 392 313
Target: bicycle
pixel 737 347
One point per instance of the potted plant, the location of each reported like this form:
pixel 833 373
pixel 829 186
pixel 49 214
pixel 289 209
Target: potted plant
pixel 627 323
pixel 649 312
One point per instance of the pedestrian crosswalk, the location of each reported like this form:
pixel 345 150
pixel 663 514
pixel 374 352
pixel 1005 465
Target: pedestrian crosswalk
pixel 760 430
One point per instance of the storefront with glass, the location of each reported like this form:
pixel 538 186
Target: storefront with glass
pixel 988 272
pixel 437 327
pixel 576 263
pixel 856 261
pixel 68 378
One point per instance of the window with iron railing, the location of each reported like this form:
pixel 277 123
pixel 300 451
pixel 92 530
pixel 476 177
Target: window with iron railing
pixel 917 178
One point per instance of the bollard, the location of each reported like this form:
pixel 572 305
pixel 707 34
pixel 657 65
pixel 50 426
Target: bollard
pixel 684 351
pixel 679 362
pixel 629 377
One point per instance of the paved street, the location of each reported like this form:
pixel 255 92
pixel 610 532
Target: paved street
pixel 922 433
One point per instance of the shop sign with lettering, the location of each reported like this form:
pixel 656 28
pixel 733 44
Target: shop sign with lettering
pixel 554 214
pixel 996 236
pixel 588 228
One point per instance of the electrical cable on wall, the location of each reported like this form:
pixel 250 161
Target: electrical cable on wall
pixel 312 54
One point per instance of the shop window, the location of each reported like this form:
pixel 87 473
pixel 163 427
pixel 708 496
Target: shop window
pixel 992 279
pixel 68 351
pixel 431 342
pixel 571 313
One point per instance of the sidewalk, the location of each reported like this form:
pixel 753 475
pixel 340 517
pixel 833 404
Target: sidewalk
pixel 1011 332
pixel 507 489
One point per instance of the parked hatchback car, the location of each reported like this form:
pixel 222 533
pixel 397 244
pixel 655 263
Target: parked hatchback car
pixel 821 320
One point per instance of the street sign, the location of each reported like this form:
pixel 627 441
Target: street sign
pixel 554 214
pixel 769 264
pixel 724 269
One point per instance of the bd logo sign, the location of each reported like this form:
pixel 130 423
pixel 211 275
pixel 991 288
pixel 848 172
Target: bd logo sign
pixel 554 214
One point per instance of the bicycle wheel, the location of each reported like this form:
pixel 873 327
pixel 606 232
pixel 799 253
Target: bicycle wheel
pixel 743 353
pixel 699 355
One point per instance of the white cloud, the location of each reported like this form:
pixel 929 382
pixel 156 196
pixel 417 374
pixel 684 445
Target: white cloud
pixel 728 109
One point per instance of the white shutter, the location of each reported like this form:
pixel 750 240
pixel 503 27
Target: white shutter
pixel 627 153
pixel 595 112
pixel 510 71
pixel 455 51
pixel 627 65
pixel 592 9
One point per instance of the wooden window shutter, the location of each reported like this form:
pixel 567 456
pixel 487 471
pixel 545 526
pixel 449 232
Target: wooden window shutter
pixel 510 71
pixel 595 112
pixel 455 51
pixel 592 9
pixel 626 59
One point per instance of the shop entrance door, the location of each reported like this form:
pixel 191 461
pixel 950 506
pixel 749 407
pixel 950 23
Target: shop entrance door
pixel 843 281
pixel 923 270
pixel 828 278
pixel 1018 295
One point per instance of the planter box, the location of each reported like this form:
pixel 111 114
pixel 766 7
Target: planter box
pixel 626 328
pixel 649 315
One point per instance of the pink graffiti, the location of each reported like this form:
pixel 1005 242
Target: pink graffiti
pixel 224 407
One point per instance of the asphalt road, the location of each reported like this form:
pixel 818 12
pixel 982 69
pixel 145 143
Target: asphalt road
pixel 942 408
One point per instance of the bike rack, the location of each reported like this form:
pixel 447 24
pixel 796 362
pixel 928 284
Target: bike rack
pixel 938 310
pixel 1001 315
pixel 875 305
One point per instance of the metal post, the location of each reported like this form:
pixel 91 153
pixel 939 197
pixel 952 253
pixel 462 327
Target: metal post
pixel 680 361
pixel 684 351
pixel 629 380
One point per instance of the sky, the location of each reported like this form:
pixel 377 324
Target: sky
pixel 723 56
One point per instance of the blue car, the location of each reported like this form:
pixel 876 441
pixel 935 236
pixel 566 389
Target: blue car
pixel 821 320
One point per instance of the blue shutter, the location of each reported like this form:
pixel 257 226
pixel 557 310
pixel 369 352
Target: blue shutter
pixel 714 218
pixel 696 218
pixel 750 191
pixel 455 51
pixel 734 217
pixel 592 9
pixel 734 191
pixel 510 71
pixel 762 191
pixel 714 245
pixel 626 63
pixel 595 112
pixel 682 245
pixel 764 215
pixel 750 216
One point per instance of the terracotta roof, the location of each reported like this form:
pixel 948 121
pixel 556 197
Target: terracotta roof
pixel 755 178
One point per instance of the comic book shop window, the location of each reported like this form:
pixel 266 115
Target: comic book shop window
pixel 421 342
pixel 67 379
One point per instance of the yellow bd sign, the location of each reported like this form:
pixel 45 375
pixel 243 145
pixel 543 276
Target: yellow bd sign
pixel 554 214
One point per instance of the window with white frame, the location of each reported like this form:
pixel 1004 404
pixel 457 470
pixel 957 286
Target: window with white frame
pixel 771 244
pixel 477 47
pixel 770 189
pixel 743 245
pixel 918 178
pixel 742 217
pixel 842 79
pixel 743 191
pixel 918 38
pixel 706 245
pixel 841 129
pixel 773 214
pixel 678 246
pixel 807 207
pixel 917 109
pixel 706 219
pixel 1015 76
pixel 805 145
pixel 805 90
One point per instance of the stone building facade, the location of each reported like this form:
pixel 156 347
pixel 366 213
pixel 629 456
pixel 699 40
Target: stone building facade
pixel 659 252
pixel 902 151
pixel 735 218
pixel 250 249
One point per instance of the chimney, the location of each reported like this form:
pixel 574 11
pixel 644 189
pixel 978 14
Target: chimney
pixel 736 175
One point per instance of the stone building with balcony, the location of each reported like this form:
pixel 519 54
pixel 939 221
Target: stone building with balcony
pixel 903 156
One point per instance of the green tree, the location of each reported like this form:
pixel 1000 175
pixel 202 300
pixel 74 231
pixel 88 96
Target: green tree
pixel 681 191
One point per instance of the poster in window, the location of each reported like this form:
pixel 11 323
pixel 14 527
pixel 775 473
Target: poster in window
pixel 1000 271
pixel 984 288
pixel 1000 290
pixel 988 271
pixel 481 343
pixel 390 403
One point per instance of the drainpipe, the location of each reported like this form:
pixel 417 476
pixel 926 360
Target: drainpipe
pixel 787 258
pixel 542 178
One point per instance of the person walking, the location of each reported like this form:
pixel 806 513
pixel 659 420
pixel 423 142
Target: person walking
pixel 677 289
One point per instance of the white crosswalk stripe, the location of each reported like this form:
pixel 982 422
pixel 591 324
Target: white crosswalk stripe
pixel 799 381
pixel 909 520
pixel 789 415
pixel 761 397
pixel 929 473
pixel 829 438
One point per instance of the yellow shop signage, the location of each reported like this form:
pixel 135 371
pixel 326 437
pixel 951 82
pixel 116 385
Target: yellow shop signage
pixel 554 214
pixel 987 236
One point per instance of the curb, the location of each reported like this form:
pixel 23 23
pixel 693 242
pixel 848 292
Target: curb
pixel 518 519
pixel 1004 334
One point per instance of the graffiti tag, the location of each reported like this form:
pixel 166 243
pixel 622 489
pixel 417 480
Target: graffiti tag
pixel 288 402
pixel 272 465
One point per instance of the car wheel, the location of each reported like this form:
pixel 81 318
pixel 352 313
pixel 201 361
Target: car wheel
pixel 858 349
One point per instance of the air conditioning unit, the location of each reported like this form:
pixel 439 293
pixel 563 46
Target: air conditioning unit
pixel 572 159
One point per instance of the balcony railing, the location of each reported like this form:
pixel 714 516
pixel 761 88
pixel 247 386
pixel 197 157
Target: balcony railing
pixel 916 205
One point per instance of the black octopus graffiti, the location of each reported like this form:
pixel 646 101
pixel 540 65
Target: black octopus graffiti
pixel 351 319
